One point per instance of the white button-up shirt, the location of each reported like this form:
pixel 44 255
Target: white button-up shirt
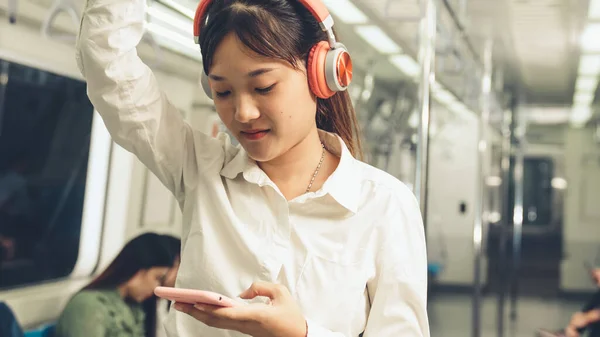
pixel 352 253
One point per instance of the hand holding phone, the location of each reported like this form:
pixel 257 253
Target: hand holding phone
pixel 282 318
pixel 192 296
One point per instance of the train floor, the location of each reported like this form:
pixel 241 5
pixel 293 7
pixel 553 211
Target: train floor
pixel 450 315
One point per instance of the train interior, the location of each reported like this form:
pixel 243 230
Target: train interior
pixel 485 109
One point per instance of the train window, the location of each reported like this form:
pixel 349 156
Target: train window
pixel 537 191
pixel 45 127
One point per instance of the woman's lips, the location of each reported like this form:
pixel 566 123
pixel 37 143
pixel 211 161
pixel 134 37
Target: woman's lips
pixel 254 134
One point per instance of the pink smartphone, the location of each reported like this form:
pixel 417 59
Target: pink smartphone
pixel 192 296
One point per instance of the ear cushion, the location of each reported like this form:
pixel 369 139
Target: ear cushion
pixel 316 70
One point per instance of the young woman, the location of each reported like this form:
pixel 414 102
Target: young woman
pixel 121 301
pixel 290 215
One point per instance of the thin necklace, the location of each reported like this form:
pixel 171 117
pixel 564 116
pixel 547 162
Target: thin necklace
pixel 317 170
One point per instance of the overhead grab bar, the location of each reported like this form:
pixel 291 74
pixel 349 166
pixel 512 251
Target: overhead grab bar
pixel 57 7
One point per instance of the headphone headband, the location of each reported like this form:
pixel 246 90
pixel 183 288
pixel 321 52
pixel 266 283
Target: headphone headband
pixel 329 65
pixel 316 7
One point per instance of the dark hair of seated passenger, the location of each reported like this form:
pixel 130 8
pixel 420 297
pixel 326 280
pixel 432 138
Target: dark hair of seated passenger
pixel 146 251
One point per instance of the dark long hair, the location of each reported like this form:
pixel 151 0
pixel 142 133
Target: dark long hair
pixel 146 251
pixel 285 30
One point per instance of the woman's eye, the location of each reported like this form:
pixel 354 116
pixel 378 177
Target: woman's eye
pixel 223 93
pixel 265 90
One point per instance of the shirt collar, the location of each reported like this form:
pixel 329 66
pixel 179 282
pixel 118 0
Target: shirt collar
pixel 343 185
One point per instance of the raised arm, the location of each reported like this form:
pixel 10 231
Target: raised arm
pixel 126 94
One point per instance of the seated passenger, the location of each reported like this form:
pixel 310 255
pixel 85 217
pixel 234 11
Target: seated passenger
pixel 587 319
pixel 121 301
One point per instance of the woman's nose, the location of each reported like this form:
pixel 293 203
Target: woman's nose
pixel 245 110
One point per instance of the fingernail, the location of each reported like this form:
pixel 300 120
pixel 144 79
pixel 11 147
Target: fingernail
pixel 200 307
pixel 178 306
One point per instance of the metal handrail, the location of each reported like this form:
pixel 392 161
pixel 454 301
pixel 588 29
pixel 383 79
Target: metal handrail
pixel 427 38
pixel 518 213
pixel 481 222
pixel 506 220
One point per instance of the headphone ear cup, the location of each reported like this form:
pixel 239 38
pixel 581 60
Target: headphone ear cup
pixel 316 70
pixel 338 68
pixel 205 85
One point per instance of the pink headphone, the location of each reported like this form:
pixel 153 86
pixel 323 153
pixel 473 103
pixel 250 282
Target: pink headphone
pixel 329 64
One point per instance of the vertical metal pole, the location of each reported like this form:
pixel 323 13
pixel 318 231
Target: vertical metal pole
pixel 506 222
pixel 427 77
pixel 366 90
pixel 517 213
pixel 4 77
pixel 480 222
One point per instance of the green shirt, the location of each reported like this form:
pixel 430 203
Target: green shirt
pixel 100 313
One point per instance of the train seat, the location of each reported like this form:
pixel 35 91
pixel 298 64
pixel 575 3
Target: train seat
pixel 46 330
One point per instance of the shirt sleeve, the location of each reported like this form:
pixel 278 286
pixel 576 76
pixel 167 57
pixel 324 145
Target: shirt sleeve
pixel 127 96
pixel 398 292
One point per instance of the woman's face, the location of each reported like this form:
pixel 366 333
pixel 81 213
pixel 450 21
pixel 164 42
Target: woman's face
pixel 141 286
pixel 265 103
